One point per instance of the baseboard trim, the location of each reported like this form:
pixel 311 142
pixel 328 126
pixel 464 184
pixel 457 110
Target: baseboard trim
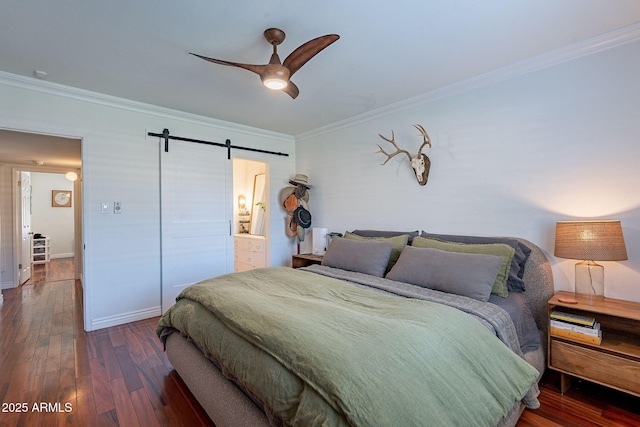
pixel 60 256
pixel 121 319
pixel 8 285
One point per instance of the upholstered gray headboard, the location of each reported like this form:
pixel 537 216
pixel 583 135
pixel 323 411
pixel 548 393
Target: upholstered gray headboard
pixel 538 281
pixel 537 272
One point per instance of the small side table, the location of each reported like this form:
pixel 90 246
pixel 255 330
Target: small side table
pixel 615 362
pixel 304 260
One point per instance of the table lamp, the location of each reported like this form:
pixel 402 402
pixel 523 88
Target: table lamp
pixel 592 240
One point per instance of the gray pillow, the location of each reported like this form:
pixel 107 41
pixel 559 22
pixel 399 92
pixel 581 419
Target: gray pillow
pixel 470 275
pixel 364 256
pixel 398 242
pixel 515 282
pixel 497 249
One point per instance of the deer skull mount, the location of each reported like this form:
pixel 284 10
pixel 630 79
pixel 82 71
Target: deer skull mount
pixel 420 162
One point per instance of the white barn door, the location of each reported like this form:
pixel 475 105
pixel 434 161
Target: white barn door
pixel 195 216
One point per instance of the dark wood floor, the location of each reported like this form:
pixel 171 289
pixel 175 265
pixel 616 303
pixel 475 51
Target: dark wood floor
pixel 119 376
pixel 584 405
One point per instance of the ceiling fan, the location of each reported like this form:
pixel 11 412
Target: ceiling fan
pixel 275 75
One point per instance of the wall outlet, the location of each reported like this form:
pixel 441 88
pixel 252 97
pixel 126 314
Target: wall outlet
pixel 117 208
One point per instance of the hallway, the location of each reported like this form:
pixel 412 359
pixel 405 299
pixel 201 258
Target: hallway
pixel 53 373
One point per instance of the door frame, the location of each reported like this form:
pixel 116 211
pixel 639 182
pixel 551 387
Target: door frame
pixel 20 175
pixel 56 131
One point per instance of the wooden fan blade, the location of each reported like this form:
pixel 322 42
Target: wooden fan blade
pixel 258 69
pixel 291 90
pixel 304 53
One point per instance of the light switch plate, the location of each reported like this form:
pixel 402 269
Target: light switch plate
pixel 104 208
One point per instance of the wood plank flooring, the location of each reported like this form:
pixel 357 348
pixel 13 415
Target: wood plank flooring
pixel 119 376
pixel 52 373
pixel 584 405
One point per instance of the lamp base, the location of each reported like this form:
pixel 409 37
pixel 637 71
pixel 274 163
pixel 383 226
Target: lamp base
pixel 589 278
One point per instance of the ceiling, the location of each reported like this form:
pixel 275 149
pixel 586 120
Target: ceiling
pixel 388 52
pixel 35 150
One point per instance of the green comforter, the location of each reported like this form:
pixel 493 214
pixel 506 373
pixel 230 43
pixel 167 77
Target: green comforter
pixel 318 351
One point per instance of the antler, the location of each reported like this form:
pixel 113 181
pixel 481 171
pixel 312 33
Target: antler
pixel 425 136
pixel 398 149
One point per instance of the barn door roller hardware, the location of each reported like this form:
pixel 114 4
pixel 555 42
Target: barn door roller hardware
pixel 165 135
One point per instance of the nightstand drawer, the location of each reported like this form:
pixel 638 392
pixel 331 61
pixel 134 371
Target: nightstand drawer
pixel 596 365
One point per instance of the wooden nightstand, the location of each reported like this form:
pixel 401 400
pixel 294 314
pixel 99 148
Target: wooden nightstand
pixel 304 260
pixel 616 361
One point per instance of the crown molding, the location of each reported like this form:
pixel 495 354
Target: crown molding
pixel 606 41
pixel 56 89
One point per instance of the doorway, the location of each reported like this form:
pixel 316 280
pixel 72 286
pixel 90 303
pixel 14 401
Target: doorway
pixel 53 199
pixel 35 153
pixel 251 214
pixel 251 194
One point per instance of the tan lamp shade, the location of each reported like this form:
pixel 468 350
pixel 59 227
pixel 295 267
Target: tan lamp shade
pixel 597 240
pixel 600 240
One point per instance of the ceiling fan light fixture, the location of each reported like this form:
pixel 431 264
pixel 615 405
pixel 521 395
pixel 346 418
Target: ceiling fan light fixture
pixel 275 83
pixel 275 77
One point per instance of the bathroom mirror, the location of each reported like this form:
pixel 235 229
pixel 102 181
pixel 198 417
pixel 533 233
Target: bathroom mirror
pixel 258 205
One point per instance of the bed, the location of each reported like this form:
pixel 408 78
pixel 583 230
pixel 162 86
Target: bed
pixel 394 328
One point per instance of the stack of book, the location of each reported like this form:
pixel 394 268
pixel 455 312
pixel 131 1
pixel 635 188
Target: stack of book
pixel 576 327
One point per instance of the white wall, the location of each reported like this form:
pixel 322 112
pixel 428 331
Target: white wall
pixel 121 163
pixel 510 158
pixel 53 222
